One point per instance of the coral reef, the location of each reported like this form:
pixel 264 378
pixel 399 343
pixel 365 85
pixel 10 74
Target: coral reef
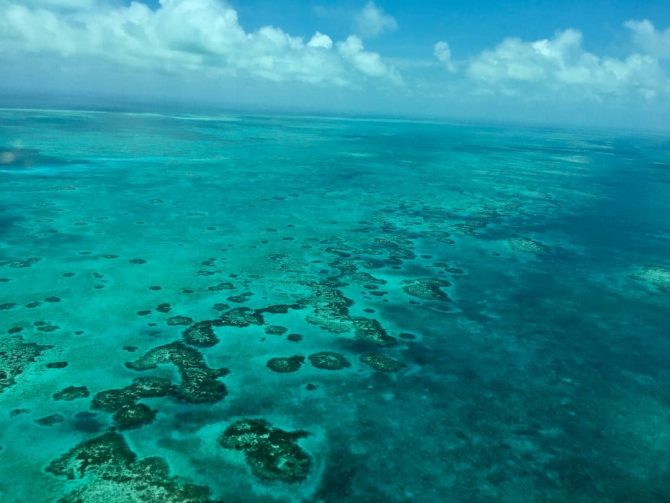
pixel 271 453
pixel 275 330
pixel 286 364
pixel 382 362
pixel 331 312
pixel 179 320
pixel 241 298
pixel 329 360
pixel 56 365
pixel 15 356
pixel 527 245
pixel 370 330
pixel 241 317
pixel 199 383
pixel 428 289
pixel 123 403
pixel 50 420
pixel 330 308
pixel 20 264
pixel 201 334
pixel 280 308
pixel 71 393
pixel 113 473
pixel 164 307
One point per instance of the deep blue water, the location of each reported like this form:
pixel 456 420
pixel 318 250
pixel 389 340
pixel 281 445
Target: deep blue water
pixel 497 300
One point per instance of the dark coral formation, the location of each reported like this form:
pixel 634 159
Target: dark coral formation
pixel 164 307
pixel 15 356
pixel 20 264
pixel 123 403
pixel 275 330
pixel 241 298
pixel 201 334
pixel 331 313
pixel 330 306
pixel 280 308
pixel 367 279
pixel 527 245
pixel 114 473
pixel 271 453
pixel 428 289
pixel 179 320
pixel 382 362
pixel 56 365
pixel 329 360
pixel 370 330
pixel 395 246
pixel 241 317
pixel 286 364
pixel 221 286
pixel 45 326
pixel 199 383
pixel 50 420
pixel 71 393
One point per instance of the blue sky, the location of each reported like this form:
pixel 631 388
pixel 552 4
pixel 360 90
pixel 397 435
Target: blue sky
pixel 575 62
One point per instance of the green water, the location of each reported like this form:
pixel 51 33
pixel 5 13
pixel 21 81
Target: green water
pixel 498 298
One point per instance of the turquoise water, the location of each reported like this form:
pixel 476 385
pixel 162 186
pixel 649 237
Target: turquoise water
pixel 496 299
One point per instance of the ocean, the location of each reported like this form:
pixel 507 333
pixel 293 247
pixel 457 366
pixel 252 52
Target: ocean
pixel 249 308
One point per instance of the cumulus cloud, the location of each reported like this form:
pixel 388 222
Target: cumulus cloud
pixel 181 36
pixel 649 39
pixel 368 63
pixel 372 21
pixel 320 40
pixel 561 66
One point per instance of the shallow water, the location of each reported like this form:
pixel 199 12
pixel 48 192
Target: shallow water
pixel 518 280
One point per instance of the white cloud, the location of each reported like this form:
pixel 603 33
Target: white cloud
pixel 180 36
pixel 372 21
pixel 369 63
pixel 442 53
pixel 561 66
pixel 63 4
pixel 320 40
pixel 649 39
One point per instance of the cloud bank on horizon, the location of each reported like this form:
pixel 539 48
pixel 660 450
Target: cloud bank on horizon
pixel 206 37
pixel 183 36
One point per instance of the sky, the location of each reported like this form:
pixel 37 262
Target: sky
pixel 600 63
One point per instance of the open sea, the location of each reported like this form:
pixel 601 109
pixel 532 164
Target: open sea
pixel 281 309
